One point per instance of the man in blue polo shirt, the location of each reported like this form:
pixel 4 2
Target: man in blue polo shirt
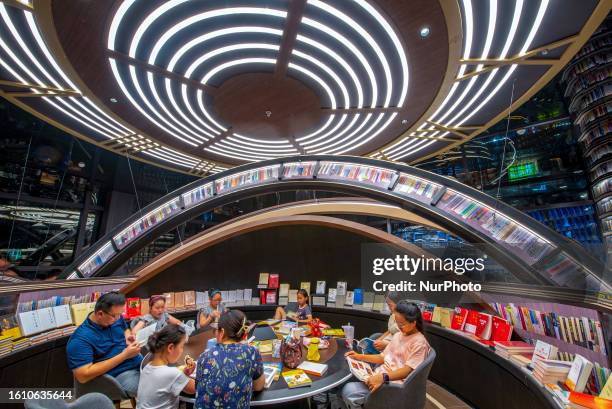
pixel 103 344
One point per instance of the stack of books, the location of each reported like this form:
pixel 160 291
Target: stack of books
pixel 506 349
pixel 21 343
pixel 551 371
pixel 6 346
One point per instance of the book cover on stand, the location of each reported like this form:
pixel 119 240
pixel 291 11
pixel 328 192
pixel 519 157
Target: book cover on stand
pixel 320 290
pixel 483 328
pixel 271 297
pixel 501 330
pixel 459 318
pixel 358 296
pixel 471 322
pixel 293 295
pixel 349 299
pixel 273 281
pixel 331 295
pixel 263 280
pixel 305 285
pixel 341 288
pixel 283 290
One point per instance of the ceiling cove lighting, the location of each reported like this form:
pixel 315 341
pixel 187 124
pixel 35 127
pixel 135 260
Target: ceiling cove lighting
pixel 329 137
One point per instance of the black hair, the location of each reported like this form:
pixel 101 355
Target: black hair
pixel 234 324
pixel 170 334
pixel 411 312
pixel 305 294
pixel 212 292
pixel 394 296
pixel 109 300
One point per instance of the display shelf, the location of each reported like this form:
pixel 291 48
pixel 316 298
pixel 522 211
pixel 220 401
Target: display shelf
pixel 600 170
pixel 602 130
pixel 595 156
pixel 511 235
pixel 417 188
pixel 601 188
pixel 247 178
pixel 198 195
pixel 353 172
pixel 299 170
pixel 97 259
pixel 566 272
pixel 147 222
pixel 599 111
pixel 590 100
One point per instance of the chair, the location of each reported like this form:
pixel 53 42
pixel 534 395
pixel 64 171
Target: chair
pixel 89 401
pixel 105 384
pixel 147 358
pixel 411 392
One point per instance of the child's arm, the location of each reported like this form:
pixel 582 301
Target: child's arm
pixel 190 388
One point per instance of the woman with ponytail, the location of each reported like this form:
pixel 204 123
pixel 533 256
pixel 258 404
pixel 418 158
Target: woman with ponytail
pixel 230 371
pixel 160 384
pixel 406 350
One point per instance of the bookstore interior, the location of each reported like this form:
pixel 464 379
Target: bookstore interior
pixel 306 204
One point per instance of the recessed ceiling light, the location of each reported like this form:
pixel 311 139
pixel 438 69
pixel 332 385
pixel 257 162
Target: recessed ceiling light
pixel 424 31
pixel 113 100
pixel 404 121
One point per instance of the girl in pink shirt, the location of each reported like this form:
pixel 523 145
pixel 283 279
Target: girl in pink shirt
pixel 407 349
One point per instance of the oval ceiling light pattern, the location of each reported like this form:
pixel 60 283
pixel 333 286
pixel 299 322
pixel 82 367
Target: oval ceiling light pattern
pixel 203 86
pixel 213 44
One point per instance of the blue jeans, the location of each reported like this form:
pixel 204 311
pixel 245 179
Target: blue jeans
pixel 354 394
pixel 129 381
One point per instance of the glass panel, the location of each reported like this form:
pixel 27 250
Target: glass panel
pixel 147 222
pixel 247 178
pixel 357 173
pixel 94 262
pixel 198 195
pixel 295 170
pixel 416 188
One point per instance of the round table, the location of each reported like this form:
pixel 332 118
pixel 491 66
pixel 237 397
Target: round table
pixel 337 371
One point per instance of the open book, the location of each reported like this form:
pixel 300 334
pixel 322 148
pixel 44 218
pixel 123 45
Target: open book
pixel 143 335
pixel 361 370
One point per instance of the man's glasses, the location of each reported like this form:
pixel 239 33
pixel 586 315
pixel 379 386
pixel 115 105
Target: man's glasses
pixel 114 316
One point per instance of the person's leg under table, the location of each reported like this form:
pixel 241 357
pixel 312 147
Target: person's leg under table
pixel 129 381
pixel 354 394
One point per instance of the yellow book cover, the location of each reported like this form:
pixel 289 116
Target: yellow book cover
pixel 436 315
pixel 263 279
pixel 81 311
pixel 606 392
pixel 446 317
pixel 333 332
pixel 144 306
pixel 296 378
pixel 14 332
pixel 305 285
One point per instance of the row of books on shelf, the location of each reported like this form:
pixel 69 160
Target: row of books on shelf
pixel 589 63
pixel 249 177
pixel 299 170
pixel 12 343
pixel 604 206
pixel 594 45
pixel 57 300
pixel 599 152
pixel 600 111
pixel 45 319
pixel 146 222
pixel 581 331
pixel 595 133
pixel 594 95
pixel 589 79
pixel 358 173
pixel 89 266
pixel 602 187
pixel 507 232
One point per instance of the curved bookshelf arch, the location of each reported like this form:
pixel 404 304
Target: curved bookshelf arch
pixel 536 254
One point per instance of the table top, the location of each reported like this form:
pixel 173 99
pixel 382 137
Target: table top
pixel 337 371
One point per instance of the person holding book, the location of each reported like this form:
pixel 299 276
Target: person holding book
pixel 103 344
pixel 380 343
pixel 407 350
pixel 157 315
pixel 299 311
pixel 230 371
pixel 212 311
pixel 160 384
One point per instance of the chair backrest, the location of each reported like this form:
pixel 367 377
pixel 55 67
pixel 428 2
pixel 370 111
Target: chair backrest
pixel 412 391
pixel 147 358
pixel 104 384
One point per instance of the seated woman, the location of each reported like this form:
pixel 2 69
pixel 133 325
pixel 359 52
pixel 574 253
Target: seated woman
pixel 212 311
pixel 380 343
pixel 407 349
pixel 161 384
pixel 299 311
pixel 228 373
pixel 157 315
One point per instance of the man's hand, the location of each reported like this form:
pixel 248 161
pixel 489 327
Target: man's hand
pixel 374 382
pixel 353 355
pixel 131 350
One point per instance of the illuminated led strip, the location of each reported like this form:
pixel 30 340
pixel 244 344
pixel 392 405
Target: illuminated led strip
pixel 263 151
pixel 408 147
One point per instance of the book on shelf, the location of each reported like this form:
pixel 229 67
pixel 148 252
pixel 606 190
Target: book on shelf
pixel 320 289
pixel 349 299
pixel 132 307
pixel 378 303
pixel 483 328
pixel 179 301
pixel 271 297
pixel 471 322
pixel 305 285
pixel 340 301
pixel 446 317
pixel 501 330
pixel 296 378
pixel 283 290
pixel 240 296
pixel 544 351
pixel 62 315
pixel 293 295
pixel 579 374
pixel 255 301
pixel 313 368
pixel 436 316
pixel 459 318
pixel 368 300
pixel 606 390
pixel 358 296
pixel 248 294
pixel 273 281
pixel 190 299
pixel 263 280
pixel 80 312
pixel 283 301
pixel 318 301
pixel 201 298
pixel 331 295
pixel 521 359
pixel 169 300
pixel 341 288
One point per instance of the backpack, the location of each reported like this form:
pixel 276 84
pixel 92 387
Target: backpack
pixel 291 353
